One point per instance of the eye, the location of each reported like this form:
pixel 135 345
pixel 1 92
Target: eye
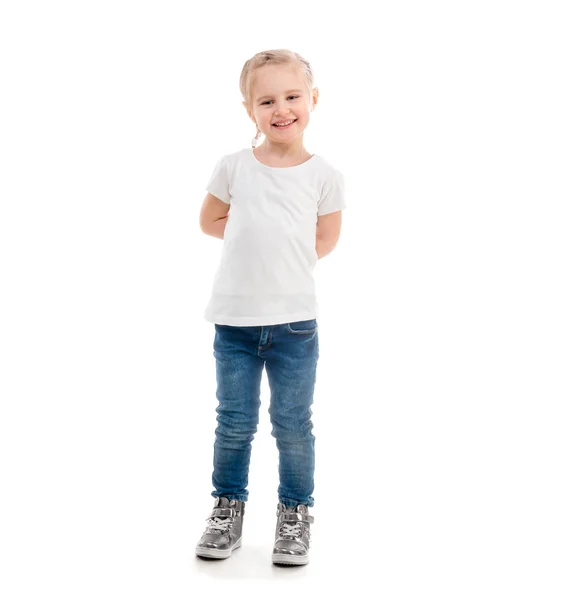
pixel 270 100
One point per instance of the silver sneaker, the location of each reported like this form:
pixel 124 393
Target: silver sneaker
pixel 223 533
pixel 292 535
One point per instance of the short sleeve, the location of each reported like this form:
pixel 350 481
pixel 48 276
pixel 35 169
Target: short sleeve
pixel 218 185
pixel 332 197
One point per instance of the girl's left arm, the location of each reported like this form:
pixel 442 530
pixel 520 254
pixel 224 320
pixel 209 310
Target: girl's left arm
pixel 328 232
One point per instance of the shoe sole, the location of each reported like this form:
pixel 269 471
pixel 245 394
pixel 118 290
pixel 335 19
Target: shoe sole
pixel 216 552
pixel 289 559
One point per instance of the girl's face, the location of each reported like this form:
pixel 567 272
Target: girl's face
pixel 279 93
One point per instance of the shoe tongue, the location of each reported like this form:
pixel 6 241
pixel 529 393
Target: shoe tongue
pixel 223 501
pixel 300 508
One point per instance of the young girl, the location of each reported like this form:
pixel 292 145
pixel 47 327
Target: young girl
pixel 278 209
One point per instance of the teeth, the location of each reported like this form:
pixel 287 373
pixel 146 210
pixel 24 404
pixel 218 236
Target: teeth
pixel 283 124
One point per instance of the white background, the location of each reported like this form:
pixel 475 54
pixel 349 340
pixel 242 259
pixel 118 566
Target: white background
pixel 441 406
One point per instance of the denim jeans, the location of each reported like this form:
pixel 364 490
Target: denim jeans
pixel 289 352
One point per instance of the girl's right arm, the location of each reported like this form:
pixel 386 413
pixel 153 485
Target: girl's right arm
pixel 217 228
pixel 214 216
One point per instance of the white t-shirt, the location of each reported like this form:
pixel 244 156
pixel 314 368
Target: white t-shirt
pixel 265 275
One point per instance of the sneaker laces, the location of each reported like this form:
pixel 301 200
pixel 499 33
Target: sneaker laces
pixel 290 530
pixel 219 524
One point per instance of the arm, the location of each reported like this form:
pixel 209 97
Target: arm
pixel 217 228
pixel 214 216
pixel 328 232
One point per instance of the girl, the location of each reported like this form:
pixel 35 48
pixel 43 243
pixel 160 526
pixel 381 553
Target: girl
pixel 278 209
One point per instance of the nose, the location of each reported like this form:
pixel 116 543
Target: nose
pixel 281 109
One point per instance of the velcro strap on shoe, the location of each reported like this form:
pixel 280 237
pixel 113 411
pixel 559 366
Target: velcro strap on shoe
pixel 223 512
pixel 293 516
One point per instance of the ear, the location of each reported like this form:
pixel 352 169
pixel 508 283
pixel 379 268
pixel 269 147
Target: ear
pixel 249 114
pixel 315 97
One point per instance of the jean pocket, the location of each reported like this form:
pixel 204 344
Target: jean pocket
pixel 303 327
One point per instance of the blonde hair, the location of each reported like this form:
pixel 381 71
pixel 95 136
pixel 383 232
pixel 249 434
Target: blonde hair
pixel 272 57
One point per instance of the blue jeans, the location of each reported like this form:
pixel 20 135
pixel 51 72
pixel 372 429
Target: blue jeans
pixel 289 352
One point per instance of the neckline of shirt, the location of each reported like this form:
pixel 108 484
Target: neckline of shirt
pixel 257 161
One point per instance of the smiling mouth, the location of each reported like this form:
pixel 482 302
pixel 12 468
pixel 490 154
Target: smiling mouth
pixel 284 126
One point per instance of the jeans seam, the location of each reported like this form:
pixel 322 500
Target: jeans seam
pixel 302 331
